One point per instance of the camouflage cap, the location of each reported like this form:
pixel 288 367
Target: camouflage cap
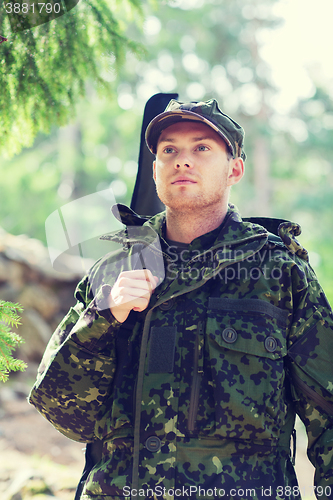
pixel 207 112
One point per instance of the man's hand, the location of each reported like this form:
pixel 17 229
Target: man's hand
pixel 132 290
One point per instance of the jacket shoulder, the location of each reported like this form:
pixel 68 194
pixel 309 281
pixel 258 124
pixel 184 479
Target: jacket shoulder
pixel 282 233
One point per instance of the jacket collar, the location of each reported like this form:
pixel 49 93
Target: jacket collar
pixel 223 241
pixel 233 233
pixel 141 229
pixel 232 229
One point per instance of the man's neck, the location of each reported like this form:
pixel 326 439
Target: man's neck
pixel 186 226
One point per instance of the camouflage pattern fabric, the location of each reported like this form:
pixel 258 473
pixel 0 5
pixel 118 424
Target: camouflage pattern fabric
pixel 196 396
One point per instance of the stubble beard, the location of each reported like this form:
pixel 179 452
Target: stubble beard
pixel 182 204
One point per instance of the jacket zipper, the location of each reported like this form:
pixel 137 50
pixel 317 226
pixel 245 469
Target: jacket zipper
pixel 197 374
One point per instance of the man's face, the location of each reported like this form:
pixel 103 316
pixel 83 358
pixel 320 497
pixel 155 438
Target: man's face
pixel 192 169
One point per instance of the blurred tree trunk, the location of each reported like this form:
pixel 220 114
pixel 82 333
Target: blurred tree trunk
pixel 261 141
pixel 261 161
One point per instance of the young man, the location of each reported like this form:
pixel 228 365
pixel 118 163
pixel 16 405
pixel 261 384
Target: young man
pixel 191 350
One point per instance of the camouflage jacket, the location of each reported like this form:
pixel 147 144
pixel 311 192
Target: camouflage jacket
pixel 196 396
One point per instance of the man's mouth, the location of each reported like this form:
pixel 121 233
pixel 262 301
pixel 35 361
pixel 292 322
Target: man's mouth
pixel 183 181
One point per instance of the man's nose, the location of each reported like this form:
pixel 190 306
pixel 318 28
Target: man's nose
pixel 183 160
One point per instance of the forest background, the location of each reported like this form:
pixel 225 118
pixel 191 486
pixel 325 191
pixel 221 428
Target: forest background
pixel 74 90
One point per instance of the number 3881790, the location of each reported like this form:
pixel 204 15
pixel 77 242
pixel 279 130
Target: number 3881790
pixel 26 8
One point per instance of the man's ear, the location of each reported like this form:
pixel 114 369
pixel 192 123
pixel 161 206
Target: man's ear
pixel 154 170
pixel 236 171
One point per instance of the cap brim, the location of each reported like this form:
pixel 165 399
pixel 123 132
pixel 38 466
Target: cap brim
pixel 168 118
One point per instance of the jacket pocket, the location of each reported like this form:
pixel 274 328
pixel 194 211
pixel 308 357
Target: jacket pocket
pixel 247 345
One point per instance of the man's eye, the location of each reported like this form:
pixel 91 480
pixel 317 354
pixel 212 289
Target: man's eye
pixel 168 150
pixel 202 148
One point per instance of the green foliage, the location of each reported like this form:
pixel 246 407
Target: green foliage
pixel 97 149
pixel 308 179
pixel 9 340
pixel 43 71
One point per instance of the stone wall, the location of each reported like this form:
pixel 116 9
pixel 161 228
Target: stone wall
pixel 27 277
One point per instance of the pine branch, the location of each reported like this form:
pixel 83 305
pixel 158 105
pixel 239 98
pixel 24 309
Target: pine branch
pixel 56 60
pixel 9 340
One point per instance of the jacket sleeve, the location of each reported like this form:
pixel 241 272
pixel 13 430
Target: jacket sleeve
pixel 75 375
pixel 311 370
